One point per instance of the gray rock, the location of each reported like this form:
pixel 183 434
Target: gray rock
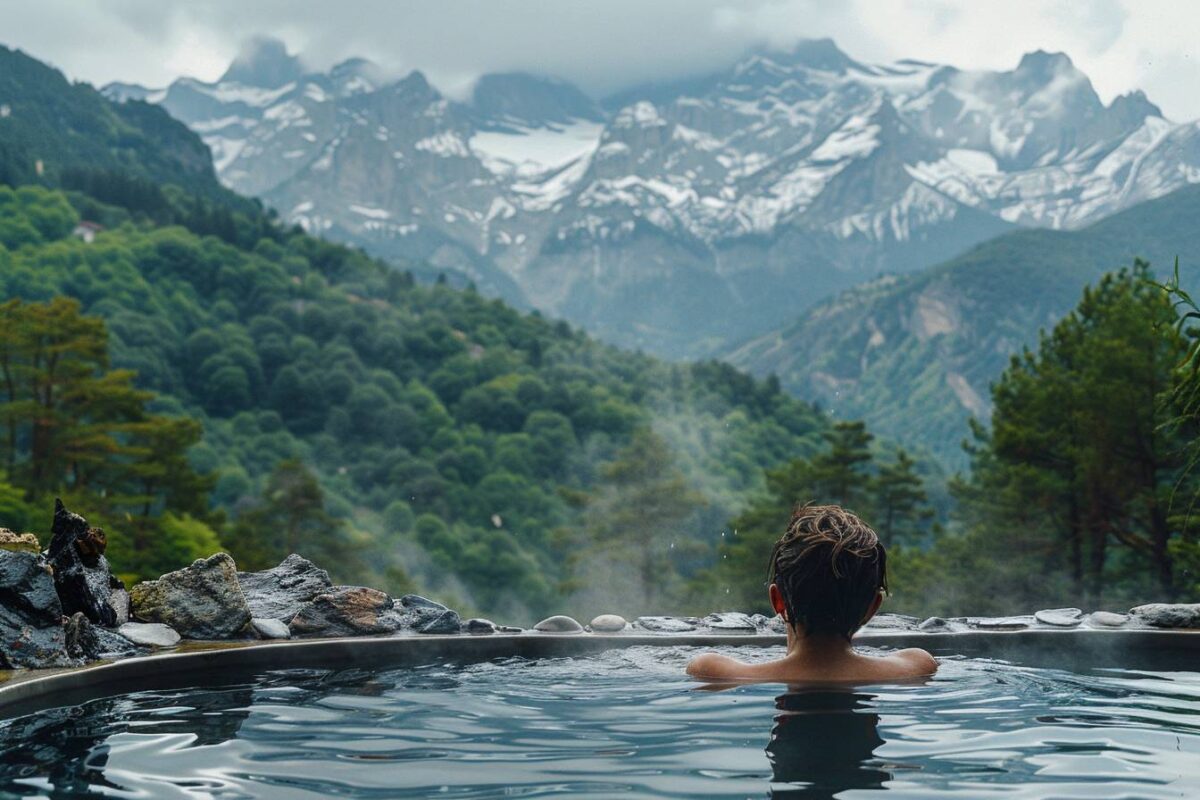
pixel 82 641
pixel 280 592
pixel 1106 619
pixel 1168 615
pixel 558 624
pixel 150 634
pixel 934 624
pixel 664 624
pixel 509 629
pixel 1060 617
pixel 608 623
pixel 730 621
pixel 1001 623
pixel 31 629
pixel 479 626
pixel 119 600
pixel 893 622
pixel 201 601
pixel 270 628
pixel 82 577
pixel 348 611
pixel 445 621
pixel 113 645
pixel 415 601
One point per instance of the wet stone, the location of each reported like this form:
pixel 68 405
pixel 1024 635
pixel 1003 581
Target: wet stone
pixel 270 628
pixel 478 626
pixel 1001 623
pixel 1107 619
pixel 1168 615
pixel 664 624
pixel 280 592
pixel 730 621
pixel 1060 617
pixel 82 642
pixel 445 621
pixel 608 623
pixel 82 577
pixel 31 629
pixel 201 601
pixel 415 601
pixel 112 644
pixel 119 600
pixel 934 624
pixel 348 611
pixel 150 634
pixel 559 623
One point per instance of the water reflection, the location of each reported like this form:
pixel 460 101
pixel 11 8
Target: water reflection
pixel 823 743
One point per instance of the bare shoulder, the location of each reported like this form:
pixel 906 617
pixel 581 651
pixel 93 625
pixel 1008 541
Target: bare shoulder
pixel 713 665
pixel 918 661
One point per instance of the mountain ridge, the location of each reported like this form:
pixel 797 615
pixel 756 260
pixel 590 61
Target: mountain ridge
pixel 735 199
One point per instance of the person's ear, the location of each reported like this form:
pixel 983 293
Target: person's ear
pixel 875 604
pixel 777 601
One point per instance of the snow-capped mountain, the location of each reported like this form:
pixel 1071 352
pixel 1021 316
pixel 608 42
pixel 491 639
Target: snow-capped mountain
pixel 682 217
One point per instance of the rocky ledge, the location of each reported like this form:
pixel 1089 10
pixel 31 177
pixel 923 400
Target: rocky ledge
pixel 63 607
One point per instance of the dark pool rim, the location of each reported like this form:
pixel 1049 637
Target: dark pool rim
pixel 224 663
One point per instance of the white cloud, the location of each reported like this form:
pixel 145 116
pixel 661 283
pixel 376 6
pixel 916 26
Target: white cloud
pixel 610 44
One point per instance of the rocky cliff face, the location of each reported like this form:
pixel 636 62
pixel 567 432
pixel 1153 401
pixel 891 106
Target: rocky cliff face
pixel 683 217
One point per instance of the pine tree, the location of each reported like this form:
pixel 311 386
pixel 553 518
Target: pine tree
pixel 901 511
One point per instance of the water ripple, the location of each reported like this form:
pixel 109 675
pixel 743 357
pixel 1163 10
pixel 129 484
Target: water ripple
pixel 624 723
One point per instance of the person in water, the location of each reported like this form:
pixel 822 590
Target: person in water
pixel 828 576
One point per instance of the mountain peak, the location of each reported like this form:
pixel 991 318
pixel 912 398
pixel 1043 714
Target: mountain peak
pixel 1045 63
pixel 822 54
pixel 264 61
pixel 531 100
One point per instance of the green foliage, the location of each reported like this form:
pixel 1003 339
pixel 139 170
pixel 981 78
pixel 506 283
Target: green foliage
pixel 1071 495
pixel 458 407
pixel 72 425
pixel 890 495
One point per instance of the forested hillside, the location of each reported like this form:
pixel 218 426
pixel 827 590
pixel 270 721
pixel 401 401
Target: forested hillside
pixel 915 355
pixel 458 442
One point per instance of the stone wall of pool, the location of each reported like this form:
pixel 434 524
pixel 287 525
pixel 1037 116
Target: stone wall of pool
pixel 70 629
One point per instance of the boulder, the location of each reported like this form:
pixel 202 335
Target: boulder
pixel 608 623
pixel 201 601
pixel 82 576
pixel 730 621
pixel 82 641
pixel 664 624
pixel 427 616
pixel 280 592
pixel 31 629
pixel 1060 617
pixel 934 624
pixel 1168 615
pixel 113 645
pixel 559 623
pixel 479 626
pixel 347 611
pixel 446 621
pixel 119 600
pixel 18 542
pixel 773 624
pixel 270 628
pixel 150 634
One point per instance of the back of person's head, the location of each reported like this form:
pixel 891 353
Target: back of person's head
pixel 829 567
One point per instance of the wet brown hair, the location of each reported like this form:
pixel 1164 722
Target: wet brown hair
pixel 828 565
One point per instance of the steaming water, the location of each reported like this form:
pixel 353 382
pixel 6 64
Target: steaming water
pixel 622 724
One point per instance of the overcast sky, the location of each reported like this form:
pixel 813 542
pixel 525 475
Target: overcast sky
pixel 603 46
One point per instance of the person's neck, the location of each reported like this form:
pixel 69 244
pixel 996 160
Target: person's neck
pixel 818 646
